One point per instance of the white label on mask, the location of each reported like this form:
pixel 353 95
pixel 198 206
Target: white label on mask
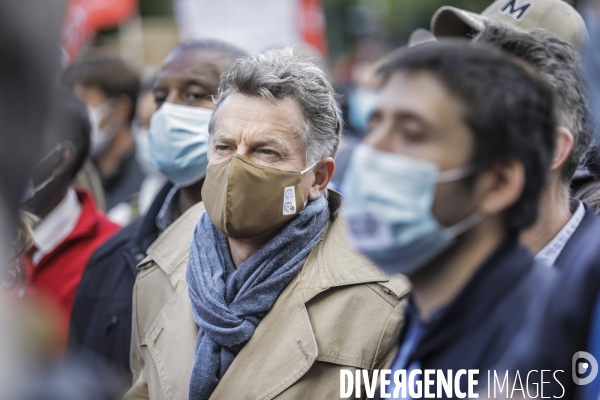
pixel 289 200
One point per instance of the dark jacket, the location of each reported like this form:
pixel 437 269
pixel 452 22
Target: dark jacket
pixel 101 318
pixel 585 184
pixel 560 319
pixel 590 193
pixel 125 184
pixel 475 329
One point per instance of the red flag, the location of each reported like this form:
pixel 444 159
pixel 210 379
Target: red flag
pixel 84 18
pixel 312 25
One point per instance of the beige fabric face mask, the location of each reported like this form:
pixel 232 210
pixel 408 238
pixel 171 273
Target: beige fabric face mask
pixel 245 200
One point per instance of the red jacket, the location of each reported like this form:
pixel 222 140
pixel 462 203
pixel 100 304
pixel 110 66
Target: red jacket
pixel 57 275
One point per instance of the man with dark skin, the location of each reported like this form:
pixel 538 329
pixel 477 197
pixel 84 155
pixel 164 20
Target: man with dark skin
pixel 190 77
pixel 183 93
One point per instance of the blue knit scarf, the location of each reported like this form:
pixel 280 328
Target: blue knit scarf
pixel 229 303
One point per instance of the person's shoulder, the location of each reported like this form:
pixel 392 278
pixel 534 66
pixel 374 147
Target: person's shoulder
pixel 582 250
pixel 172 246
pixel 153 289
pixel 104 227
pixel 117 242
pixel 589 225
pixel 342 266
pixel 341 287
pixel 534 278
pixel 164 267
pixel 358 325
pixel 150 276
pixel 109 257
pixel 363 299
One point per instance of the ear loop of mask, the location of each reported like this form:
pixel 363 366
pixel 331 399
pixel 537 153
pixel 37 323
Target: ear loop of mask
pixel 31 190
pixel 105 109
pixel 302 173
pixel 476 217
pixel 309 168
pixel 455 174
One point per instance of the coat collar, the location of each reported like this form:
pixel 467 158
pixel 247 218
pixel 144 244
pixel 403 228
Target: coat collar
pixel 148 226
pixel 146 231
pixel 173 245
pixel 334 263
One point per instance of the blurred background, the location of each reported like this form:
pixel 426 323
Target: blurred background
pixel 344 32
pixel 346 37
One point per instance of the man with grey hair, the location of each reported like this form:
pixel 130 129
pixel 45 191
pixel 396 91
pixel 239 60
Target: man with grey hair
pixel 564 222
pixel 254 293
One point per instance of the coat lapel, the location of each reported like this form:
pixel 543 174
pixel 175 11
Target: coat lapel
pixel 169 340
pixel 171 337
pixel 281 351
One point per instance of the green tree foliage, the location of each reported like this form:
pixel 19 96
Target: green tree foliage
pixel 390 21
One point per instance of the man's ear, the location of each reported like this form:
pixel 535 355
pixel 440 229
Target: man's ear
pixel 564 147
pixel 499 187
pixel 323 173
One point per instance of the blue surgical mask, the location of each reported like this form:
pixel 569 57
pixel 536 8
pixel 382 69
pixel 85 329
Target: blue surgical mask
pixel 388 209
pixel 361 104
pixel 142 151
pixel 178 142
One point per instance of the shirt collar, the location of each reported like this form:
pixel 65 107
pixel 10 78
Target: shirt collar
pixel 552 250
pixel 57 226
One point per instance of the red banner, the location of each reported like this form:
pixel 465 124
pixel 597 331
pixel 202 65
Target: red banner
pixel 84 18
pixel 312 25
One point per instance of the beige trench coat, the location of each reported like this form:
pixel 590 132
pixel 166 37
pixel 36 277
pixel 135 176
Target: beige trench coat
pixel 339 312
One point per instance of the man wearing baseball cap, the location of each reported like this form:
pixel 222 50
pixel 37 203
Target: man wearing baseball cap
pixel 531 30
pixel 554 16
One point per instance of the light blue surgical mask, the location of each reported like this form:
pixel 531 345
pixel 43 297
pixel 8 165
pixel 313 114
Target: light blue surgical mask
pixel 178 142
pixel 388 209
pixel 142 151
pixel 361 104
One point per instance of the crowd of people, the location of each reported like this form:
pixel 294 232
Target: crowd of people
pixel 210 233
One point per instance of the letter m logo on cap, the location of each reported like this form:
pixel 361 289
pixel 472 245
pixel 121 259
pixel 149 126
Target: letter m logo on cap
pixel 517 12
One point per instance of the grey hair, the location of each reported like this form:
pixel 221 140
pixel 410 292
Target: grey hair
pixel 277 74
pixel 561 66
